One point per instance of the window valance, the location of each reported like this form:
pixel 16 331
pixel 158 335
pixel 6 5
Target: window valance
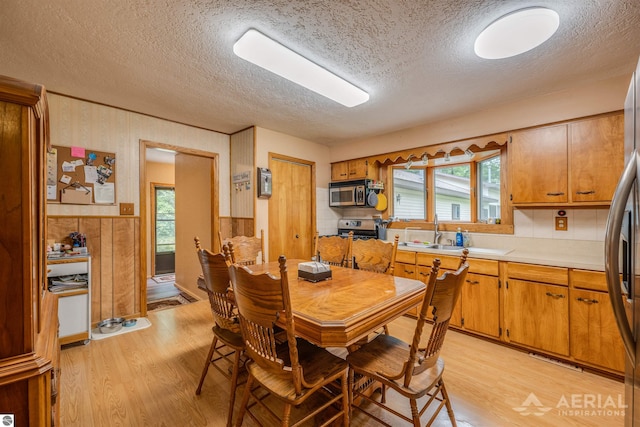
pixel 482 143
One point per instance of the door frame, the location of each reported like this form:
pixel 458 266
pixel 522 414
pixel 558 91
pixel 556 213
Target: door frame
pixel 215 205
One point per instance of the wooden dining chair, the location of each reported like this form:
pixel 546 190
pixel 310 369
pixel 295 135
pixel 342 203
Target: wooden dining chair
pixel 375 255
pixel 246 250
pixel 227 346
pixel 291 371
pixel 413 371
pixel 333 250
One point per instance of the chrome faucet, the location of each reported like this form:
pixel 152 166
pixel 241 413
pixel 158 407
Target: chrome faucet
pixel 436 233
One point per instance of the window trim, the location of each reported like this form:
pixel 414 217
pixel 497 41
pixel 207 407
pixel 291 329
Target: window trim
pixel 506 209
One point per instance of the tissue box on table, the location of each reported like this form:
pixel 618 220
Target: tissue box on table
pixel 314 271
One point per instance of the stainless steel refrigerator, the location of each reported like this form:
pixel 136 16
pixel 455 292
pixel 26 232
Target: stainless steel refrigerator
pixel 622 262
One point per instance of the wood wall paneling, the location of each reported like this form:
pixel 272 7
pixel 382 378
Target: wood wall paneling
pixel 113 243
pixel 91 227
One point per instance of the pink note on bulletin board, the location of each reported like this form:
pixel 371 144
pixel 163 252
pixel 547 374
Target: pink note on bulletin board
pixel 77 152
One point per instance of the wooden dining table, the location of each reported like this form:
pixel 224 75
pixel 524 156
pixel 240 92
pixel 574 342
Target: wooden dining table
pixel 340 311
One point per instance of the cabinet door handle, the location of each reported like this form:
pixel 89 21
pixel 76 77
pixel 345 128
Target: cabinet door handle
pixel 555 194
pixel 587 300
pixel 408 271
pixel 586 192
pixel 424 274
pixel 549 294
pixel 473 282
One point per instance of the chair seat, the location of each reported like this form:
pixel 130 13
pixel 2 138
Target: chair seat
pixel 385 356
pixel 229 338
pixel 318 364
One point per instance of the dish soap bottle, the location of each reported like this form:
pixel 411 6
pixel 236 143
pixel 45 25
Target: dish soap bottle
pixel 459 239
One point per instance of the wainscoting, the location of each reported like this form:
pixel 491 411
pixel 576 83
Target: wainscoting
pixel 113 243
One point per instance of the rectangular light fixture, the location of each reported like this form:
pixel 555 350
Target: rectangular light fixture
pixel 264 52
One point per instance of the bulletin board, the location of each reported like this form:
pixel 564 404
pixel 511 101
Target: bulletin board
pixel 81 176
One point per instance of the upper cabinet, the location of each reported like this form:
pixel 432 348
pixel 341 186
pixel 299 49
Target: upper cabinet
pixel 576 163
pixel 538 165
pixel 353 169
pixel 596 150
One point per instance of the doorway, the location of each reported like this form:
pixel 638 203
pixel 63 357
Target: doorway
pixel 167 232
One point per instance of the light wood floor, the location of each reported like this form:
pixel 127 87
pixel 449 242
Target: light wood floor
pixel 148 378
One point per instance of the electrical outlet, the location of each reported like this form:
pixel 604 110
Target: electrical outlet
pixel 126 208
pixel 561 223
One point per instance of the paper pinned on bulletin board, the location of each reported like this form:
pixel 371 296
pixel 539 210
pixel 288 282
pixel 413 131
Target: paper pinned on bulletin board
pixel 79 175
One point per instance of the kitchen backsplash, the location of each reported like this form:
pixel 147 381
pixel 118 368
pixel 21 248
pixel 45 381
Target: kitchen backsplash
pixel 582 224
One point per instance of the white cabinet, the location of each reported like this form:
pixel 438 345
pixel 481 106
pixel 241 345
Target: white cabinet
pixel 70 279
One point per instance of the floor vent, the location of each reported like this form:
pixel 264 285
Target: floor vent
pixel 556 362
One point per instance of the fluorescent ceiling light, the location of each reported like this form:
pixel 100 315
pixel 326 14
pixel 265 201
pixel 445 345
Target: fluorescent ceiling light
pixel 272 56
pixel 516 33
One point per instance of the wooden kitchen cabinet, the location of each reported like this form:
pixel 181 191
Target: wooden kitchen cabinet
pixel 574 163
pixel 406 267
pixel 353 169
pixel 594 333
pixel 29 348
pixel 596 153
pixel 538 165
pixel 480 299
pixel 536 307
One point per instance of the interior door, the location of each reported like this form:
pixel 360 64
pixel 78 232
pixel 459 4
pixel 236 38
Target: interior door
pixel 291 208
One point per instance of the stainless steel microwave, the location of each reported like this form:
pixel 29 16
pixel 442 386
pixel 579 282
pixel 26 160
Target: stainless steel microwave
pixel 349 193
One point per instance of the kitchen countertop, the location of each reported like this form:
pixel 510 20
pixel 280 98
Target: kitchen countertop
pixel 551 255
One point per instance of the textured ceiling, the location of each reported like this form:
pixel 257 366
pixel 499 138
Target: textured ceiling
pixel 173 59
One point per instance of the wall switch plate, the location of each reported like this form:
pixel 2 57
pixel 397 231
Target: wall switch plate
pixel 561 223
pixel 126 208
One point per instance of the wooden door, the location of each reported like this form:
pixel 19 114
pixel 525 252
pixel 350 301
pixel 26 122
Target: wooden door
pixel 291 208
pixel 481 304
pixel 594 335
pixel 537 315
pixel 596 152
pixel 538 165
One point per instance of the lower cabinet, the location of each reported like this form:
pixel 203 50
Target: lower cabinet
pixel 557 311
pixel 537 315
pixel 481 304
pixel 594 334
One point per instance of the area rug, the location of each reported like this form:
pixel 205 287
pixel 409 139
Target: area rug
pixel 174 301
pixel 164 278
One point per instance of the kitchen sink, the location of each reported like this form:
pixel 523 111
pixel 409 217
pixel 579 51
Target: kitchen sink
pixel 472 249
pixel 444 247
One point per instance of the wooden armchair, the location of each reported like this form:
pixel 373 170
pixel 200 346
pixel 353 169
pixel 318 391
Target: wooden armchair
pixel 227 339
pixel 375 255
pixel 333 250
pixel 407 368
pixel 245 249
pixel 291 371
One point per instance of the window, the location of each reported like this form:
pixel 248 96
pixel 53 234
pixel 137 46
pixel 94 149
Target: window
pixel 165 219
pixel 452 188
pixel 410 193
pixel 489 188
pixel 466 188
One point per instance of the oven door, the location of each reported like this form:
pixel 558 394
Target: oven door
pixel 342 196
